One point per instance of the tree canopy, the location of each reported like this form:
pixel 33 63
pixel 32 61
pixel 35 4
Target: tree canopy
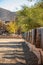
pixel 29 18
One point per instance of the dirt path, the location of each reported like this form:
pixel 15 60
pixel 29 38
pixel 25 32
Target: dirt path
pixel 16 53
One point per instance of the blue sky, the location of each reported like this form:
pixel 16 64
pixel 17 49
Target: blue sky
pixel 14 5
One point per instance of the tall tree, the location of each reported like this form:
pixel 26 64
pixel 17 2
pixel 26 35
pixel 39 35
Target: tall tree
pixel 30 18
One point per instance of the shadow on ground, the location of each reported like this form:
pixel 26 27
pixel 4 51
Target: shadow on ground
pixel 12 64
pixel 21 51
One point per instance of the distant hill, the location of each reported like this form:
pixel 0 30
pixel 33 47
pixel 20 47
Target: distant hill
pixel 6 15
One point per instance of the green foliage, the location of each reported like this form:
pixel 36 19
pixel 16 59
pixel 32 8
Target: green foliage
pixel 11 27
pixel 30 18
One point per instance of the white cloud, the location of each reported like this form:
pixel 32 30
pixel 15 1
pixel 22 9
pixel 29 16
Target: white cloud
pixel 14 4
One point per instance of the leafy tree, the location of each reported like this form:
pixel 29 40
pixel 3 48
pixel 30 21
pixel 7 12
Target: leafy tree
pixel 11 27
pixel 30 18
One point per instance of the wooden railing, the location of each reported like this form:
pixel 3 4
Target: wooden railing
pixel 35 36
